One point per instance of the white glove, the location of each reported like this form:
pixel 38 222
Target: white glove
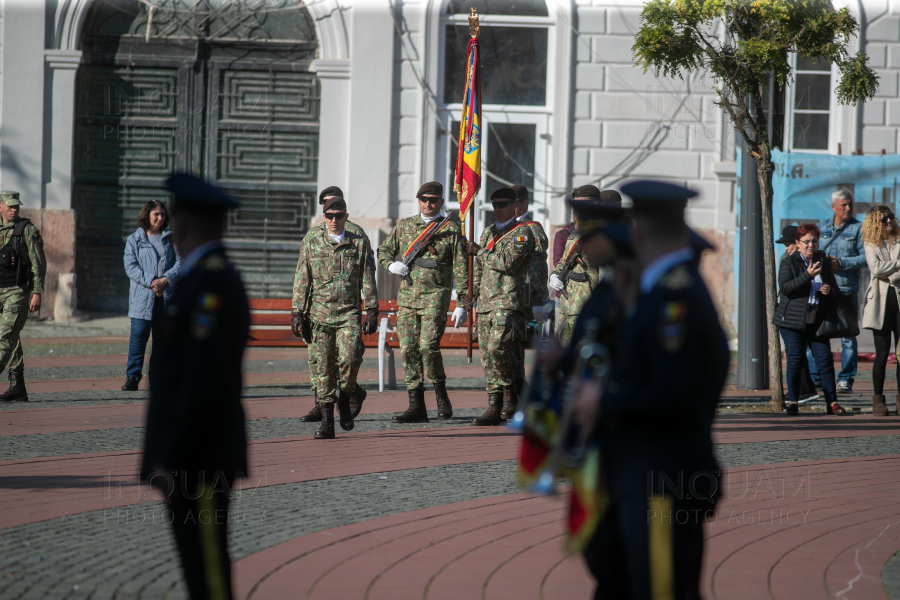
pixel 555 283
pixel 539 315
pixel 398 268
pixel 459 316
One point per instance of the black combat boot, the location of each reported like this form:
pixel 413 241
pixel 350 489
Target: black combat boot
pixel 416 412
pixel 356 400
pixel 16 391
pixel 131 384
pixel 326 429
pixel 445 409
pixel 315 415
pixel 344 414
pixel 492 415
pixel 510 401
pixel 520 385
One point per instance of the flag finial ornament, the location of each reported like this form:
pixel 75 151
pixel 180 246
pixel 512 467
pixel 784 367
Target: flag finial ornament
pixel 474 29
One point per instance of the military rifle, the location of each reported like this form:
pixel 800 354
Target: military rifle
pixel 419 248
pixel 566 274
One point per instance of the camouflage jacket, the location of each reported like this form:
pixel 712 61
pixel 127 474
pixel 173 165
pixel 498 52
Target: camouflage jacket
pixel 579 291
pixel 337 277
pixel 537 270
pixel 32 252
pixel 500 278
pixel 430 287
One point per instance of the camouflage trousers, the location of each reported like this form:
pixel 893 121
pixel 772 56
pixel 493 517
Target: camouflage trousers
pixel 420 331
pixel 501 338
pixel 356 363
pixel 13 312
pixel 333 350
pixel 565 325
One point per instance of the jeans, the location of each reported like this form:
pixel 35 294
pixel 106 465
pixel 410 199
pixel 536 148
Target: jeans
pixel 137 345
pixel 849 356
pixel 796 344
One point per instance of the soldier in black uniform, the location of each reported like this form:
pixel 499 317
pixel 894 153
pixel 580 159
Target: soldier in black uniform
pixel 196 443
pixel 655 414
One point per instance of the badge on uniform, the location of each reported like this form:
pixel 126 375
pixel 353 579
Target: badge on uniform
pixel 36 238
pixel 205 316
pixel 672 326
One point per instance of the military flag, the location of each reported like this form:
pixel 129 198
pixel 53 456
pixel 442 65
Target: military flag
pixel 468 156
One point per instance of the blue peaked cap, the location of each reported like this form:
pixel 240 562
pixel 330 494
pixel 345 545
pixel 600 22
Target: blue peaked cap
pixel 193 193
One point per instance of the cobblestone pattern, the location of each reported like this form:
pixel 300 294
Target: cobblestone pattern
pixel 129 553
pixel 63 443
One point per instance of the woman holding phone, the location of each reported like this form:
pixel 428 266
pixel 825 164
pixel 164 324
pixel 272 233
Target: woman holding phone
pixel 806 282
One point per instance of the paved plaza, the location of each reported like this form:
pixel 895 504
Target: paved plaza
pixel 429 511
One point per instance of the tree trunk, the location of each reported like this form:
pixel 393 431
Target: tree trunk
pixel 765 169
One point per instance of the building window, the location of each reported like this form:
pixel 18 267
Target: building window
pixel 516 37
pixel 810 101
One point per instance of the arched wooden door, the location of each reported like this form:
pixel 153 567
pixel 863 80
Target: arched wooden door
pixel 218 87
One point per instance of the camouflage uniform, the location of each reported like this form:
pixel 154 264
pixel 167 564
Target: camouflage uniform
pixel 568 309
pixel 422 306
pixel 336 276
pixel 537 273
pixel 500 280
pixel 355 229
pixel 14 299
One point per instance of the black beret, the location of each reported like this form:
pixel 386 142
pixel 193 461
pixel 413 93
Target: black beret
pixel 330 191
pixel 194 194
pixel 610 198
pixel 432 188
pixel 504 193
pixel 658 197
pixel 586 191
pixel 521 192
pixel 787 235
pixel 334 204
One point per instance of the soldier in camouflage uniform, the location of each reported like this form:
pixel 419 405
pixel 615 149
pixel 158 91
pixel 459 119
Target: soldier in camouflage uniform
pixel 422 304
pixel 537 276
pixel 22 270
pixel 500 283
pixel 334 274
pixel 582 279
pixel 359 394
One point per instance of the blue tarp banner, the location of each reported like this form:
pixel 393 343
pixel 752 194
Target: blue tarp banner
pixel 804 182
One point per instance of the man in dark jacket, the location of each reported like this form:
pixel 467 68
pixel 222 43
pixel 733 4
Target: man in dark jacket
pixel 196 444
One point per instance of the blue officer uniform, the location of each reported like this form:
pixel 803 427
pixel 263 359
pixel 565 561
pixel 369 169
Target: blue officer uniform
pixel 196 443
pixel 655 426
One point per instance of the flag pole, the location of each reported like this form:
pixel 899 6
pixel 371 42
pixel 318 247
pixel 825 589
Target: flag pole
pixel 474 30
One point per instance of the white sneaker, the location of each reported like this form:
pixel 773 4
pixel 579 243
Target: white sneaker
pixel 810 399
pixel 844 387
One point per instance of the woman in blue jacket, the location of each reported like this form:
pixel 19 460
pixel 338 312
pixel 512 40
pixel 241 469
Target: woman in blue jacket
pixel 152 265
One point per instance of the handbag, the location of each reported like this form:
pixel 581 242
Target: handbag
pixel 839 319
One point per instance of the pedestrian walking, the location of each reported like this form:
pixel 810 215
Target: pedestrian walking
pixel 334 275
pixel 195 447
pixel 655 413
pixel 152 265
pixel 22 271
pixel 881 238
pixel 807 391
pixel 500 286
pixel 806 281
pixel 432 260
pixel 841 240
pixel 358 395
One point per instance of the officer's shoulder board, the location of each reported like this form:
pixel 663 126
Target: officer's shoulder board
pixel 677 279
pixel 213 262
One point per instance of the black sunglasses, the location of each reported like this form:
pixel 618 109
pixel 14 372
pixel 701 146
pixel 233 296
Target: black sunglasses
pixel 333 215
pixel 429 199
pixel 887 218
pixel 503 204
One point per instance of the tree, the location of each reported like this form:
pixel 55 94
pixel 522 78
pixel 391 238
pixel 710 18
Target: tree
pixel 742 43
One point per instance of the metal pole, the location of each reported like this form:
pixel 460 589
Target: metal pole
pixel 752 359
pixel 471 274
